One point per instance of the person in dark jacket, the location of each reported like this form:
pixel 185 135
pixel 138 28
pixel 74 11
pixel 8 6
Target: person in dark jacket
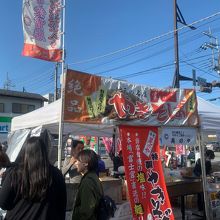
pixel 209 155
pixel 118 161
pixel 34 189
pixel 90 189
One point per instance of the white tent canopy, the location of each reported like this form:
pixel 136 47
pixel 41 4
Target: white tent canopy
pixel 209 115
pixel 48 117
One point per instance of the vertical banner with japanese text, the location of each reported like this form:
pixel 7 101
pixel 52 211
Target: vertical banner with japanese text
pixel 146 185
pixel 42 27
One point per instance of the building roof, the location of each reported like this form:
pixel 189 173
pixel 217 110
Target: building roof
pixel 18 94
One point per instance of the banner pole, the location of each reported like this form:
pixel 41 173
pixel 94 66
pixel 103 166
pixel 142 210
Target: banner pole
pixel 62 87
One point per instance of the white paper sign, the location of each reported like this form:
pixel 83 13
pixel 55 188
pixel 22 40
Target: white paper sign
pixel 184 136
pixel 149 143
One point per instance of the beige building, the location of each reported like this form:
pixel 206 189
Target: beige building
pixel 14 103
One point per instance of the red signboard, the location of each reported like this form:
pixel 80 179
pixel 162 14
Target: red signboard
pixel 99 100
pixel 146 185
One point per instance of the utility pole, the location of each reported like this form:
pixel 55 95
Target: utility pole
pixel 178 17
pixel 176 79
pixel 55 82
pixel 214 46
pixel 8 83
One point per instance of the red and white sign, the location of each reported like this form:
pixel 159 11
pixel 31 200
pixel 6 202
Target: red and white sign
pixel 42 27
pixel 146 185
pixel 94 99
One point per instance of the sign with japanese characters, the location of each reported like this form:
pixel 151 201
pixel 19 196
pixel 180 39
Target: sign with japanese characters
pixel 178 136
pixel 144 174
pixel 94 99
pixel 42 27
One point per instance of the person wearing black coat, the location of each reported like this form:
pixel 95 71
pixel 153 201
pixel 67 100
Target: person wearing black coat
pixel 34 189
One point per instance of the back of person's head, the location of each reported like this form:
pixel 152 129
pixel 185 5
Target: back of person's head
pixel 90 157
pixel 210 154
pixel 35 152
pixel 35 169
pixel 4 159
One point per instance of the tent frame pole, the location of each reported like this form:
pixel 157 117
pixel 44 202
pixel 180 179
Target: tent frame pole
pixel 204 178
pixel 62 87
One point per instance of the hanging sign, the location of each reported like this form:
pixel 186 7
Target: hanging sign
pixel 178 136
pixel 144 174
pixel 94 99
pixel 42 29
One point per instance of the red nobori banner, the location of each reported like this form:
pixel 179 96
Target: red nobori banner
pixel 42 27
pixel 95 99
pixel 146 185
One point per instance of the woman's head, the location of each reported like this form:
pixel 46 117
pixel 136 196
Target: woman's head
pixel 35 153
pixel 35 169
pixel 87 160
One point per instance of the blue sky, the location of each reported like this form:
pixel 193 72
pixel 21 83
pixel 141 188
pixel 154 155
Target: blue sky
pixel 97 28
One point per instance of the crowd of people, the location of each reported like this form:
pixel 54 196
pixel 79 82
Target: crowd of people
pixel 32 188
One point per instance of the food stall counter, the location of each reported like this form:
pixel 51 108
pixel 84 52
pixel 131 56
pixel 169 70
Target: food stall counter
pixel 112 187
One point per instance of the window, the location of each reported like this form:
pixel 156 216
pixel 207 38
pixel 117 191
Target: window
pixel 16 108
pixel 2 107
pixel 31 108
pixel 22 108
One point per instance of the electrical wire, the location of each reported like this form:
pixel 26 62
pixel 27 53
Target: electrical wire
pixel 144 42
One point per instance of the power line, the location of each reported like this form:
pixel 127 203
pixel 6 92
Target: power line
pixel 143 72
pixel 144 42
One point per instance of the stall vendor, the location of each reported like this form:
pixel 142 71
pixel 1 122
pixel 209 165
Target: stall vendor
pixel 209 155
pixel 69 168
pixel 118 163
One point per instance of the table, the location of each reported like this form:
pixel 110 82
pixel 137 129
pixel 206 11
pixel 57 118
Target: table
pixel 184 187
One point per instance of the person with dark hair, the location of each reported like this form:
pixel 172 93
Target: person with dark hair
pixel 90 189
pixel 209 155
pixel 5 163
pixel 197 171
pixel 4 159
pixel 69 167
pixel 34 189
pixel 118 164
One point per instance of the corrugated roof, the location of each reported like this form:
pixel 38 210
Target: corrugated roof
pixel 27 95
